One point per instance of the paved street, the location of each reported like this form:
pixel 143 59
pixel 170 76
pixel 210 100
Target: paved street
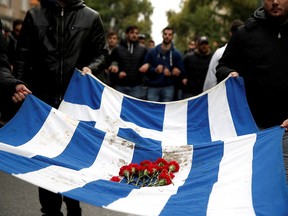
pixel 19 198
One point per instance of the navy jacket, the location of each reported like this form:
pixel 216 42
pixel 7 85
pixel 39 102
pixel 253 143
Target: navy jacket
pixel 170 59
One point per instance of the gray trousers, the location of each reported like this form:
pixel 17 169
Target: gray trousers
pixel 285 153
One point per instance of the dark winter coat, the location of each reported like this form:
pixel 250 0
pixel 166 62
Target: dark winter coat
pixel 259 53
pixel 53 42
pixel 7 80
pixel 128 60
pixel 7 83
pixel 196 67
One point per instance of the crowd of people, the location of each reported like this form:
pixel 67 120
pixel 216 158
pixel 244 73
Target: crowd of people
pixel 38 57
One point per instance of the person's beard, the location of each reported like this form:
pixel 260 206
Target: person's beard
pixel 166 41
pixel 277 19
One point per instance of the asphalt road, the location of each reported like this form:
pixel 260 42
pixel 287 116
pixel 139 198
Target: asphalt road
pixel 19 198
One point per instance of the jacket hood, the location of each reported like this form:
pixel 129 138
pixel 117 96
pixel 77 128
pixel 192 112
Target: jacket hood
pixel 158 47
pixel 55 4
pixel 260 14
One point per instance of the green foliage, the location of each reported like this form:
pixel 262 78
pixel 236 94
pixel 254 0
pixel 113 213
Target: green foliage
pixel 118 15
pixel 211 18
pixel 197 17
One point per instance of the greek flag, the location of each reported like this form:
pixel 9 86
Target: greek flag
pixel 227 166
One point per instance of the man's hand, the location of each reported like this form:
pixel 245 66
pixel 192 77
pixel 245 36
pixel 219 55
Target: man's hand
pixel 234 74
pixel 20 94
pixel 144 68
pixel 122 74
pixel 176 72
pixel 86 70
pixel 113 69
pixel 285 124
pixel 159 68
pixel 167 72
pixel 185 81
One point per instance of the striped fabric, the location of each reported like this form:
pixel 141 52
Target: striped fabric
pixel 227 166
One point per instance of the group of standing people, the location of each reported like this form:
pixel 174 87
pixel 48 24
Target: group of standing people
pixel 61 35
pixel 145 72
pixel 160 73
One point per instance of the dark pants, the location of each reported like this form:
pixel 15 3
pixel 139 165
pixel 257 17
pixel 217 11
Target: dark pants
pixel 51 204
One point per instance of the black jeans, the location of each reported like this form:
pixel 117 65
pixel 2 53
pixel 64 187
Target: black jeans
pixel 51 204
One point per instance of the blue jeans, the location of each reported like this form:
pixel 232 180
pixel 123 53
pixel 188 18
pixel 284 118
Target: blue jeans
pixel 160 94
pixel 134 91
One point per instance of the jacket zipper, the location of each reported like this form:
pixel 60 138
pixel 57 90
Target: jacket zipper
pixel 279 35
pixel 62 55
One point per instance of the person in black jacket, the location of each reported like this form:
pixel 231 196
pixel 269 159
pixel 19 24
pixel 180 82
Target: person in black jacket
pixel 258 52
pixel 11 89
pixel 126 59
pixel 57 37
pixel 196 66
pixel 12 40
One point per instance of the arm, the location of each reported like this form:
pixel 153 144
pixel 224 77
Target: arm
pixel 98 41
pixel 230 59
pixel 9 84
pixel 178 66
pixel 211 79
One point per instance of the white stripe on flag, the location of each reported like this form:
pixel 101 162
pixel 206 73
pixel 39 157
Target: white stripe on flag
pixel 232 192
pixel 175 124
pixel 54 129
pixel 114 153
pixel 220 119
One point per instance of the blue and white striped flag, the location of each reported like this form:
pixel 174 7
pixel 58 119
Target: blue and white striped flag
pixel 214 115
pixel 227 166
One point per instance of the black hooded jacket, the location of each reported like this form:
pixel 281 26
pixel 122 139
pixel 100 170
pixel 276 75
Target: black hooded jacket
pixel 259 53
pixel 53 42
pixel 7 80
pixel 129 59
pixel 7 83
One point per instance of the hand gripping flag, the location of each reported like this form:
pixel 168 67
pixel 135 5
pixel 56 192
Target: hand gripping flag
pixel 227 166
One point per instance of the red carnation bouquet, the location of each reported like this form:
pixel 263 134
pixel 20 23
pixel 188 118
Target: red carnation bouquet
pixel 148 173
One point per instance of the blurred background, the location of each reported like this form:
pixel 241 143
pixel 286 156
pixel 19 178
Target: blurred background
pixel 189 18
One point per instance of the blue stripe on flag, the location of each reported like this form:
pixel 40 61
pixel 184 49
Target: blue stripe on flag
pixel 192 198
pixel 239 108
pixel 198 121
pixel 269 174
pixel 152 114
pixel 101 192
pixel 82 150
pixel 16 164
pixel 29 124
pixel 88 92
pixel 145 148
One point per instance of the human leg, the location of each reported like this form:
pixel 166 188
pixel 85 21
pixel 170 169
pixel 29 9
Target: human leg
pixel 167 93
pixel 50 202
pixel 137 92
pixel 73 206
pixel 153 94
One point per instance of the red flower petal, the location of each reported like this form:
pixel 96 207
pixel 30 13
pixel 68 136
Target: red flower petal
pixel 115 179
